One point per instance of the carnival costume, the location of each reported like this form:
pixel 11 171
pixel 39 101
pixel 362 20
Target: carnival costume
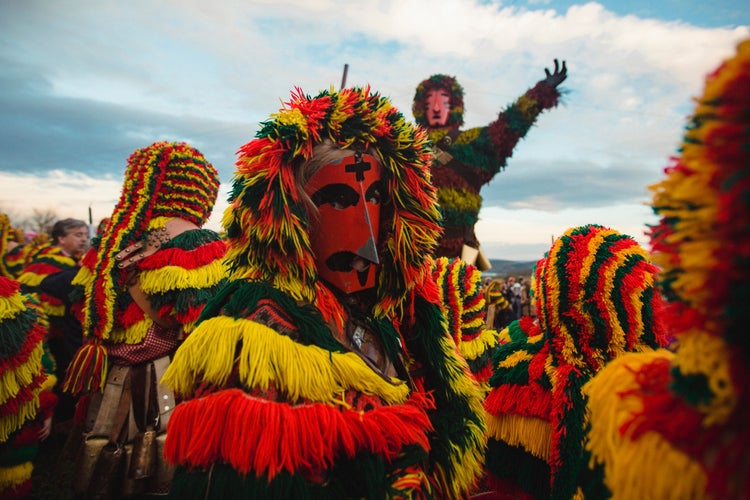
pixel 675 424
pixel 466 160
pixel 47 259
pixel 26 382
pixel 294 390
pixel 595 299
pixel 143 285
pixel 463 300
pixel 9 255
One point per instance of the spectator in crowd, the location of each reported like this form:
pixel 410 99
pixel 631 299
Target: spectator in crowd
pixel 525 299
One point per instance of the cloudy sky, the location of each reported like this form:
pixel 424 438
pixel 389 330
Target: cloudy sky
pixel 85 83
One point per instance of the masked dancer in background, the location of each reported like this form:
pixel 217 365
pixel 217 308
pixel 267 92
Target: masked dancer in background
pixel 466 160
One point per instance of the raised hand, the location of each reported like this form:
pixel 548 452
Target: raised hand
pixel 556 78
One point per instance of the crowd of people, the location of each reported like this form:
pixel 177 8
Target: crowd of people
pixel 337 338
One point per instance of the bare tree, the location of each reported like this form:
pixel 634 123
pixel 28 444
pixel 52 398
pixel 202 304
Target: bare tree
pixel 43 220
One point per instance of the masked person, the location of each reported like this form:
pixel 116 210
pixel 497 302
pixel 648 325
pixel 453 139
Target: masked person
pixel 463 299
pixel 142 286
pixel 324 369
pixel 466 160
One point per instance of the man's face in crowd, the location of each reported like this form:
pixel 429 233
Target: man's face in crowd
pixel 437 107
pixel 76 242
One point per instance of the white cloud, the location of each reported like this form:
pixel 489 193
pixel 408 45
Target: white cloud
pixel 86 83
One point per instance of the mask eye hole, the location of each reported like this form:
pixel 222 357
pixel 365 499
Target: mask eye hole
pixel 339 196
pixel 374 193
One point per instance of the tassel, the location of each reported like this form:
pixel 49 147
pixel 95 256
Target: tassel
pixel 88 369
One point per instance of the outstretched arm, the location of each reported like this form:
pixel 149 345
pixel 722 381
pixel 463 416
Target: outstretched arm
pixel 514 122
pixel 556 78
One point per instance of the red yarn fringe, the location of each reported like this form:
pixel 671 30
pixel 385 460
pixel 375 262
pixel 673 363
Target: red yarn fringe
pixel 267 437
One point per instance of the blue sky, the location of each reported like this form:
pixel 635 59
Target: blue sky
pixel 86 82
pixel 713 14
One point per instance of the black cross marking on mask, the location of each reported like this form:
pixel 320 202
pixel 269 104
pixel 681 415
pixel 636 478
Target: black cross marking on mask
pixel 359 167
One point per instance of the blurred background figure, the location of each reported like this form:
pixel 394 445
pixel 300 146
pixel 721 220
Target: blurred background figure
pixel 466 160
pixel 674 424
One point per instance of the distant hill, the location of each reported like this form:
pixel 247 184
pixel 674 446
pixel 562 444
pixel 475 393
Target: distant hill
pixel 505 268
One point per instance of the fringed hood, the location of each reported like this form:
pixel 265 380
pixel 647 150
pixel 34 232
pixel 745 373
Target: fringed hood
pixel 162 181
pixel 449 83
pixel 596 298
pixel 267 226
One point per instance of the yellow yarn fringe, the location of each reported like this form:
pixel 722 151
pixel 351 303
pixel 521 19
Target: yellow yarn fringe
pixel 83 277
pixel 265 357
pixel 11 381
pixel 467 463
pixel 459 198
pixel 467 136
pixel 474 348
pixel 55 311
pixel 11 477
pixel 133 335
pixel 11 423
pixel 533 434
pixel 514 359
pixel 702 353
pixel 504 336
pixel 170 278
pixel 49 383
pixel 12 306
pixel 31 279
pixel 649 467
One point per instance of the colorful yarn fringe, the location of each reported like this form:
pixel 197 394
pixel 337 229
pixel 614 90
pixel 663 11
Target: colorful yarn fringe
pixel 162 181
pixel 266 204
pixel 462 300
pixel 23 327
pixel 595 300
pixel 688 412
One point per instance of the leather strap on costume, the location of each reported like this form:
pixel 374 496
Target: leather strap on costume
pixel 164 395
pixel 115 405
pixel 136 252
